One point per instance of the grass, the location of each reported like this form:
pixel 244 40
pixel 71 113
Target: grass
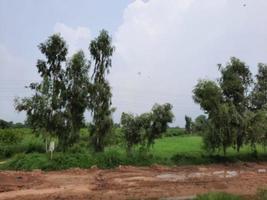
pixel 217 196
pixel 28 153
pixel 167 147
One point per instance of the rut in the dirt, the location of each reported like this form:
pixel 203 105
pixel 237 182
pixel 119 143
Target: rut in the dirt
pixel 127 182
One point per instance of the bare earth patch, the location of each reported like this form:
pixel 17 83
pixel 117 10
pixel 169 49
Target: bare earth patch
pixel 127 182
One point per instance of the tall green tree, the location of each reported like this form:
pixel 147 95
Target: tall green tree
pixel 44 108
pixel 77 94
pixel 226 104
pixel 101 50
pixel 235 82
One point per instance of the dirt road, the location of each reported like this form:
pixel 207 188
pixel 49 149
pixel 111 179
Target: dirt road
pixel 127 182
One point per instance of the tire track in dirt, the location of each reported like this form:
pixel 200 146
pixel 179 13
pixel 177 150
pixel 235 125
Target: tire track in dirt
pixel 127 182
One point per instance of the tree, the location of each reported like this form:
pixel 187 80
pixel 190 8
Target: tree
pixel 188 124
pixel 235 82
pixel 77 94
pixel 200 124
pixel 226 105
pixel 147 127
pixel 161 115
pixel 44 108
pixel 209 95
pixel 101 50
pixel 222 116
pixel 131 128
pixel 259 93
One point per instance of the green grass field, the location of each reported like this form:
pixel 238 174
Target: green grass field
pixel 28 153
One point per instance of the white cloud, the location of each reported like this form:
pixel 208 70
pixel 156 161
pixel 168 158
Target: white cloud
pixel 176 42
pixel 76 38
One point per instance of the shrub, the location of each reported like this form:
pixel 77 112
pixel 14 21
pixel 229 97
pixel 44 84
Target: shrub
pixel 42 161
pixel 9 136
pixel 69 160
pixel 109 159
pixel 81 147
pixel 26 162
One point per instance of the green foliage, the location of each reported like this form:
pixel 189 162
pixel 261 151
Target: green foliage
pixel 14 141
pixel 77 95
pixel 208 95
pixel 188 124
pixel 9 137
pixel 132 130
pixel 217 196
pixel 27 162
pixel 147 127
pixel 101 50
pixel 44 108
pixel 230 120
pixel 201 124
pixel 161 116
pixel 167 150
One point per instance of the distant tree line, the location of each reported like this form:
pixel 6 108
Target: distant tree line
pixel 4 124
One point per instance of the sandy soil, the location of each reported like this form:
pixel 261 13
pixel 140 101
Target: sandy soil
pixel 127 182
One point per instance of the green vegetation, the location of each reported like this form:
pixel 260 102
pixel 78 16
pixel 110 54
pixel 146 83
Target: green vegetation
pixel 261 195
pixel 218 196
pixel 144 129
pixel 233 128
pixel 236 116
pixel 29 153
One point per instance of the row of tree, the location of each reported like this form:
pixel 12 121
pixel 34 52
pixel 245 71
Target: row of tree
pixel 67 90
pixel 236 106
pixel 69 87
pixel 5 124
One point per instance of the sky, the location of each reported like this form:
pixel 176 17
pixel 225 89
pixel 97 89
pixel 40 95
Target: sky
pixel 163 47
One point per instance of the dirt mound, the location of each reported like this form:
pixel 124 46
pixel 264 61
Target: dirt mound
pixel 128 182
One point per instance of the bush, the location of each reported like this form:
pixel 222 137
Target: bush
pixel 31 144
pixel 26 162
pixel 12 142
pixel 9 136
pixel 109 159
pixel 42 161
pixel 217 196
pixel 69 160
pixel 81 147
